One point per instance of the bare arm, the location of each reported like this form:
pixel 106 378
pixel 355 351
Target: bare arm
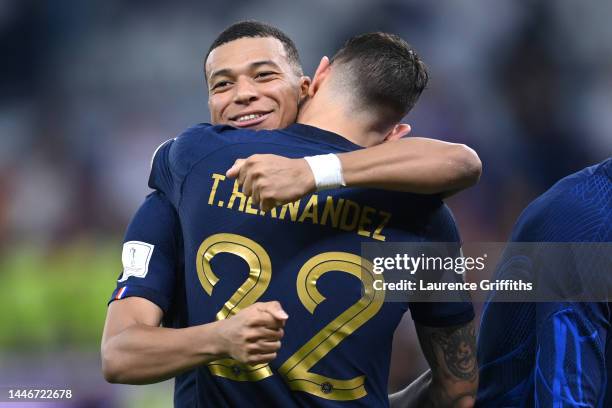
pixel 416 165
pixel 451 354
pixel 135 350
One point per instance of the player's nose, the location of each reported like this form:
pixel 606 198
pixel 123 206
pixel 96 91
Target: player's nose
pixel 245 91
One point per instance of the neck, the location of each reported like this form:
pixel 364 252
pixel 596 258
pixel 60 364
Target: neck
pixel 327 115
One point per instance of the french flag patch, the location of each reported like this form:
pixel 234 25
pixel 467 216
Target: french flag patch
pixel 120 293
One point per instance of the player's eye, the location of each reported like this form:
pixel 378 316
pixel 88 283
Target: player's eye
pixel 264 75
pixel 220 85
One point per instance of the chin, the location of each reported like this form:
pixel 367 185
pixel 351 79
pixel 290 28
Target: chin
pixel 268 124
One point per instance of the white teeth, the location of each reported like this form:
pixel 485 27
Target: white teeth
pixel 248 117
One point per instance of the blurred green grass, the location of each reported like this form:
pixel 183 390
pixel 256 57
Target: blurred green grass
pixel 54 305
pixel 56 298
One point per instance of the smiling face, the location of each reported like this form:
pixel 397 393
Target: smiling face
pixel 252 84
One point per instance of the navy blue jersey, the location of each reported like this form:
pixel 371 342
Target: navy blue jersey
pixel 153 269
pixel 554 354
pixel 305 255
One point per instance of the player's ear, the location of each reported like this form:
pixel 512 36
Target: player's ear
pixel 305 82
pixel 400 130
pixel 320 74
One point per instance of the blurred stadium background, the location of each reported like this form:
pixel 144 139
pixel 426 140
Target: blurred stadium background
pixel 89 89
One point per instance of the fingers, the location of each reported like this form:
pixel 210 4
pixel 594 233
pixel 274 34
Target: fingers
pixel 256 177
pixel 234 171
pixel 245 179
pixel 267 204
pixel 267 334
pixel 261 358
pixel 265 319
pixel 265 195
pixel 255 192
pixel 262 333
pixel 266 347
pixel 268 314
pixel 256 332
pixel 275 309
pixel 262 343
pixel 247 176
pixel 260 352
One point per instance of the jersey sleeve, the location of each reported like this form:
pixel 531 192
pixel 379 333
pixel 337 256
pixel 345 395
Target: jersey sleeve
pixel 163 178
pixel 571 337
pixel 151 253
pixel 174 159
pixel 458 310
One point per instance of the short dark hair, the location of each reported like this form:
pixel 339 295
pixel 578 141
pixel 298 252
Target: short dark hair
pixel 256 29
pixel 384 72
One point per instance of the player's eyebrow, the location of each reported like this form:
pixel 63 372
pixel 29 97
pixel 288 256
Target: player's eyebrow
pixel 258 64
pixel 253 65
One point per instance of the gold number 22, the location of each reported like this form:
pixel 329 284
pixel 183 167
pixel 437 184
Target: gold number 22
pixel 295 370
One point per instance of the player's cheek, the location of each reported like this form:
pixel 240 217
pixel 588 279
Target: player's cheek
pixel 217 106
pixel 287 100
pixel 292 107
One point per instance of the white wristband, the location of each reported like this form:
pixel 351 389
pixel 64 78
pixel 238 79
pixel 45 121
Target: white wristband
pixel 327 171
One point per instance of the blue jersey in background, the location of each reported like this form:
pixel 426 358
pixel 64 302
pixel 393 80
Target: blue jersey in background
pixel 554 354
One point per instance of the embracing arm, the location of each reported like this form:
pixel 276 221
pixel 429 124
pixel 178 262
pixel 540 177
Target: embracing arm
pixel 416 165
pixel 136 350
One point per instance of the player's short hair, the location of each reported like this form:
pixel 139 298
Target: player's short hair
pixel 382 71
pixel 256 29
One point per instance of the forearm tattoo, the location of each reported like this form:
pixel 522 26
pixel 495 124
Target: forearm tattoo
pixel 457 347
pixel 459 350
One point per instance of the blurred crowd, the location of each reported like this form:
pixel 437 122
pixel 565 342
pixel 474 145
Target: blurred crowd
pixel 89 89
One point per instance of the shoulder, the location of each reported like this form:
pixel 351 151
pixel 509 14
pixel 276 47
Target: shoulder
pixel 195 142
pixel 571 210
pixel 426 214
pixel 177 155
pixel 440 222
pixel 155 221
pixel 445 224
pixel 205 139
pixel 157 207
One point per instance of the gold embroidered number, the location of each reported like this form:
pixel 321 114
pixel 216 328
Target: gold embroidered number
pixel 260 272
pixel 296 369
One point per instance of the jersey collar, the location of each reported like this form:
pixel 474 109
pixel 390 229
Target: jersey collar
pixel 321 136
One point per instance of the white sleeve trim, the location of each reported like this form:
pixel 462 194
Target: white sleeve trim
pixel 156 150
